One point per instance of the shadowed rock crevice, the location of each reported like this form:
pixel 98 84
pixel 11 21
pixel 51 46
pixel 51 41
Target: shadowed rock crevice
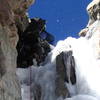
pixel 72 71
pixel 70 66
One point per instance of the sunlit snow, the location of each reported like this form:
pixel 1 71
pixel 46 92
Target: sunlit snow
pixel 87 70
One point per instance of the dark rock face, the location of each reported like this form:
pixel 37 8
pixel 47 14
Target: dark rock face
pixel 61 89
pixel 65 68
pixel 31 45
pixel 69 62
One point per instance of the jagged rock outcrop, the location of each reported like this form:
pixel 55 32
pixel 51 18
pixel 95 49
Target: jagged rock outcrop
pixel 83 32
pixel 93 10
pixel 91 32
pixel 12 13
pixel 65 70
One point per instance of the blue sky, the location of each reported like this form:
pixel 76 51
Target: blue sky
pixel 64 17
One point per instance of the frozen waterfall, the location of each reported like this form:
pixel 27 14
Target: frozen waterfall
pixel 70 71
pixel 41 80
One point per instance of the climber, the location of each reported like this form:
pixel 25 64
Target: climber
pixel 32 44
pixel 42 32
pixel 47 36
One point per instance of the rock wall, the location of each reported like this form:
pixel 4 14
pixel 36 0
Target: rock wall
pixel 92 30
pixel 93 10
pixel 12 16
